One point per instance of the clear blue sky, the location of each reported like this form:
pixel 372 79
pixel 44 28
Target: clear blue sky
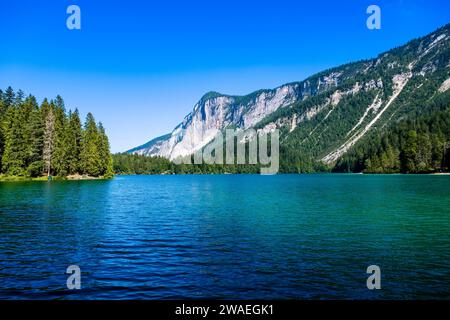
pixel 140 66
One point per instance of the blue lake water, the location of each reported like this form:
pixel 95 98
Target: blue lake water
pixel 227 236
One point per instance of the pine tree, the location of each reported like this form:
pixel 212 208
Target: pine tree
pixel 14 157
pixel 36 146
pixel 2 138
pixel 6 121
pixel 17 134
pixel 60 162
pixel 45 108
pixel 74 136
pixel 409 153
pixel 90 156
pixel 424 151
pixel 9 97
pixel 105 155
pixel 446 156
pixel 25 111
pixel 2 105
pixel 18 100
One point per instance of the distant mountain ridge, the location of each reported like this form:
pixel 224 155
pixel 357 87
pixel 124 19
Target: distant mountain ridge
pixel 327 114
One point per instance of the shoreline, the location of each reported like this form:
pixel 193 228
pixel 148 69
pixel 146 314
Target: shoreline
pixel 6 178
pixel 281 173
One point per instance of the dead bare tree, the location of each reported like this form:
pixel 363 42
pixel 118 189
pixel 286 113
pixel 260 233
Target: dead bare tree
pixel 48 140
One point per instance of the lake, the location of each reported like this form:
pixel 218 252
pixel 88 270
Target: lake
pixel 227 236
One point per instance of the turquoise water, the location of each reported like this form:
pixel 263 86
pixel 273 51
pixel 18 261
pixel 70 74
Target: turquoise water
pixel 227 236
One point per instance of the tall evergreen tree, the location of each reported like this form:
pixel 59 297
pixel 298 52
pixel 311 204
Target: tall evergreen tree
pixel 90 156
pixel 2 105
pixel 16 133
pixel 18 100
pixel 36 144
pixel 409 153
pixel 25 113
pixel 15 153
pixel 74 136
pixel 45 107
pixel 60 160
pixel 2 115
pixel 104 152
pixel 9 97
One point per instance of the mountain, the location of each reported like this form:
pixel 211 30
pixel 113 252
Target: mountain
pixel 328 115
pixel 215 112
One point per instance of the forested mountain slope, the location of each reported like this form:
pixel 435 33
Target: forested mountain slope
pixel 401 86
